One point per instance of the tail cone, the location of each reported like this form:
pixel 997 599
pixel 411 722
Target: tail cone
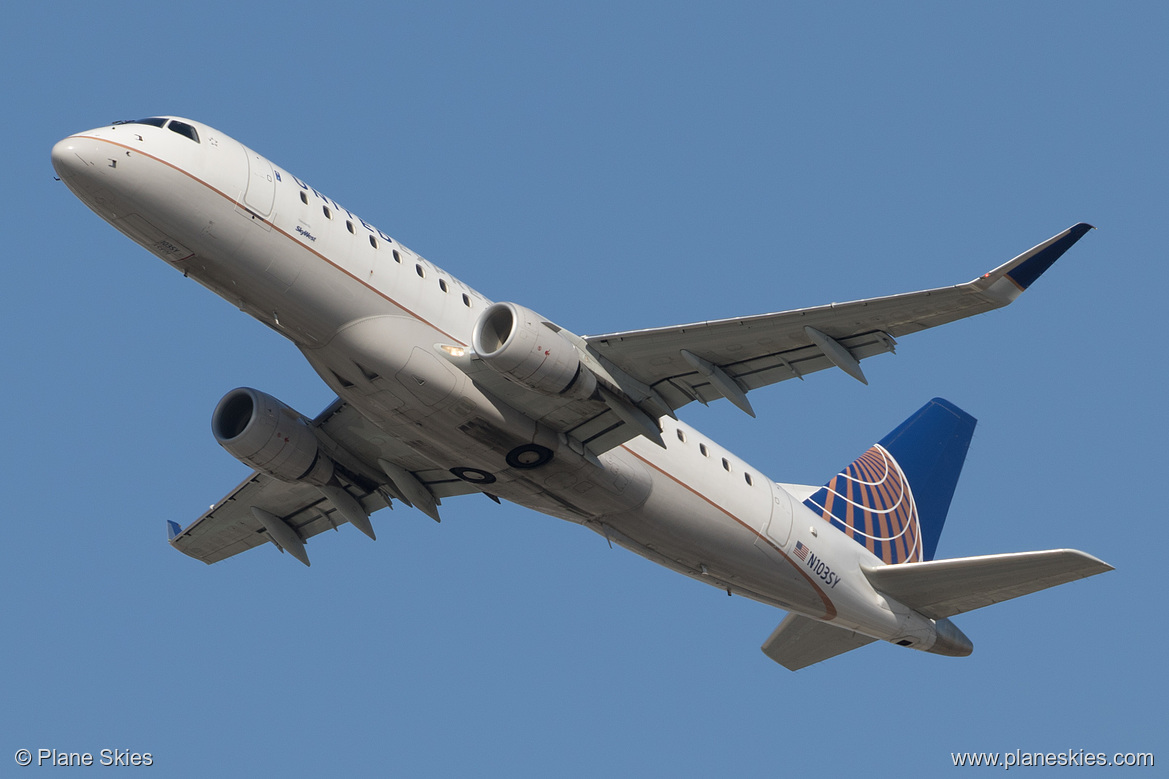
pixel 951 641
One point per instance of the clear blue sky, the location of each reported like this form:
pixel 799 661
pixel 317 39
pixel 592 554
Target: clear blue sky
pixel 625 165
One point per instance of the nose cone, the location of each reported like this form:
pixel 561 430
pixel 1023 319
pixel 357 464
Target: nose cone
pixel 69 159
pixel 89 166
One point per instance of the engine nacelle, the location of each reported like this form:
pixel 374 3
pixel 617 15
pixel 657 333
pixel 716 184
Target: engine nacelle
pixel 267 435
pixel 522 346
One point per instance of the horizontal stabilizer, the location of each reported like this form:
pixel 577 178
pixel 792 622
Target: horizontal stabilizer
pixel 943 588
pixel 801 641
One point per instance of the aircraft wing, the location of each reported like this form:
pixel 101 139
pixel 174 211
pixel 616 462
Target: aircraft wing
pixel 234 525
pixel 230 526
pixel 727 358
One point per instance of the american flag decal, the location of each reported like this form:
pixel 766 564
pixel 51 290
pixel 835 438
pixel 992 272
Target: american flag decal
pixel 801 551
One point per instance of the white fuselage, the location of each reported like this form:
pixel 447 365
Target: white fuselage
pixel 368 314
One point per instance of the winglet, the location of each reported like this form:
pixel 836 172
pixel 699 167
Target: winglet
pixel 1021 272
pixel 173 529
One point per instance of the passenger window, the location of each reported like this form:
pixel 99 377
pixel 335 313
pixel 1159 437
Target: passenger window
pixel 327 212
pixel 397 257
pixel 702 448
pixel 373 242
pixel 421 273
pixel 349 225
pixel 184 129
pixel 442 284
pixel 747 478
pixel 466 300
pixel 726 465
pixel 681 435
pixel 304 198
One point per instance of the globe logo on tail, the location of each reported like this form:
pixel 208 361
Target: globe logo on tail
pixel 872 503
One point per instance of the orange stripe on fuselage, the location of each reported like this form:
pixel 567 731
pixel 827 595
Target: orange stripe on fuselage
pixel 309 249
pixel 829 607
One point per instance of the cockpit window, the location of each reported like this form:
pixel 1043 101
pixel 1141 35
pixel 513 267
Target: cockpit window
pixel 182 128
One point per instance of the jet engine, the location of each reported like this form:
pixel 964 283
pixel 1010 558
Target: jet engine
pixel 530 351
pixel 267 435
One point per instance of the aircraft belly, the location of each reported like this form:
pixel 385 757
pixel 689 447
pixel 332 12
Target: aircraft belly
pixel 686 527
pixel 377 366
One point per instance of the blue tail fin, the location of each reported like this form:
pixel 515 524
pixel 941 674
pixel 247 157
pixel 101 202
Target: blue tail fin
pixel 893 499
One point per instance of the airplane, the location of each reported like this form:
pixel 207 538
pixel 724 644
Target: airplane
pixel 442 392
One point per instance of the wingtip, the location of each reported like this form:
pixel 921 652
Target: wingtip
pixel 1029 266
pixel 1091 560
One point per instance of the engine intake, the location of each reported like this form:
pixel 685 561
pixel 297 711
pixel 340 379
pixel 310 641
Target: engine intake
pixel 267 435
pixel 530 351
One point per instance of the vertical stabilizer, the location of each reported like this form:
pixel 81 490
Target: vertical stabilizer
pixel 893 499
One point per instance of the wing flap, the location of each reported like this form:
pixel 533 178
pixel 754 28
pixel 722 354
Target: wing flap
pixel 943 588
pixel 800 641
pixel 760 371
